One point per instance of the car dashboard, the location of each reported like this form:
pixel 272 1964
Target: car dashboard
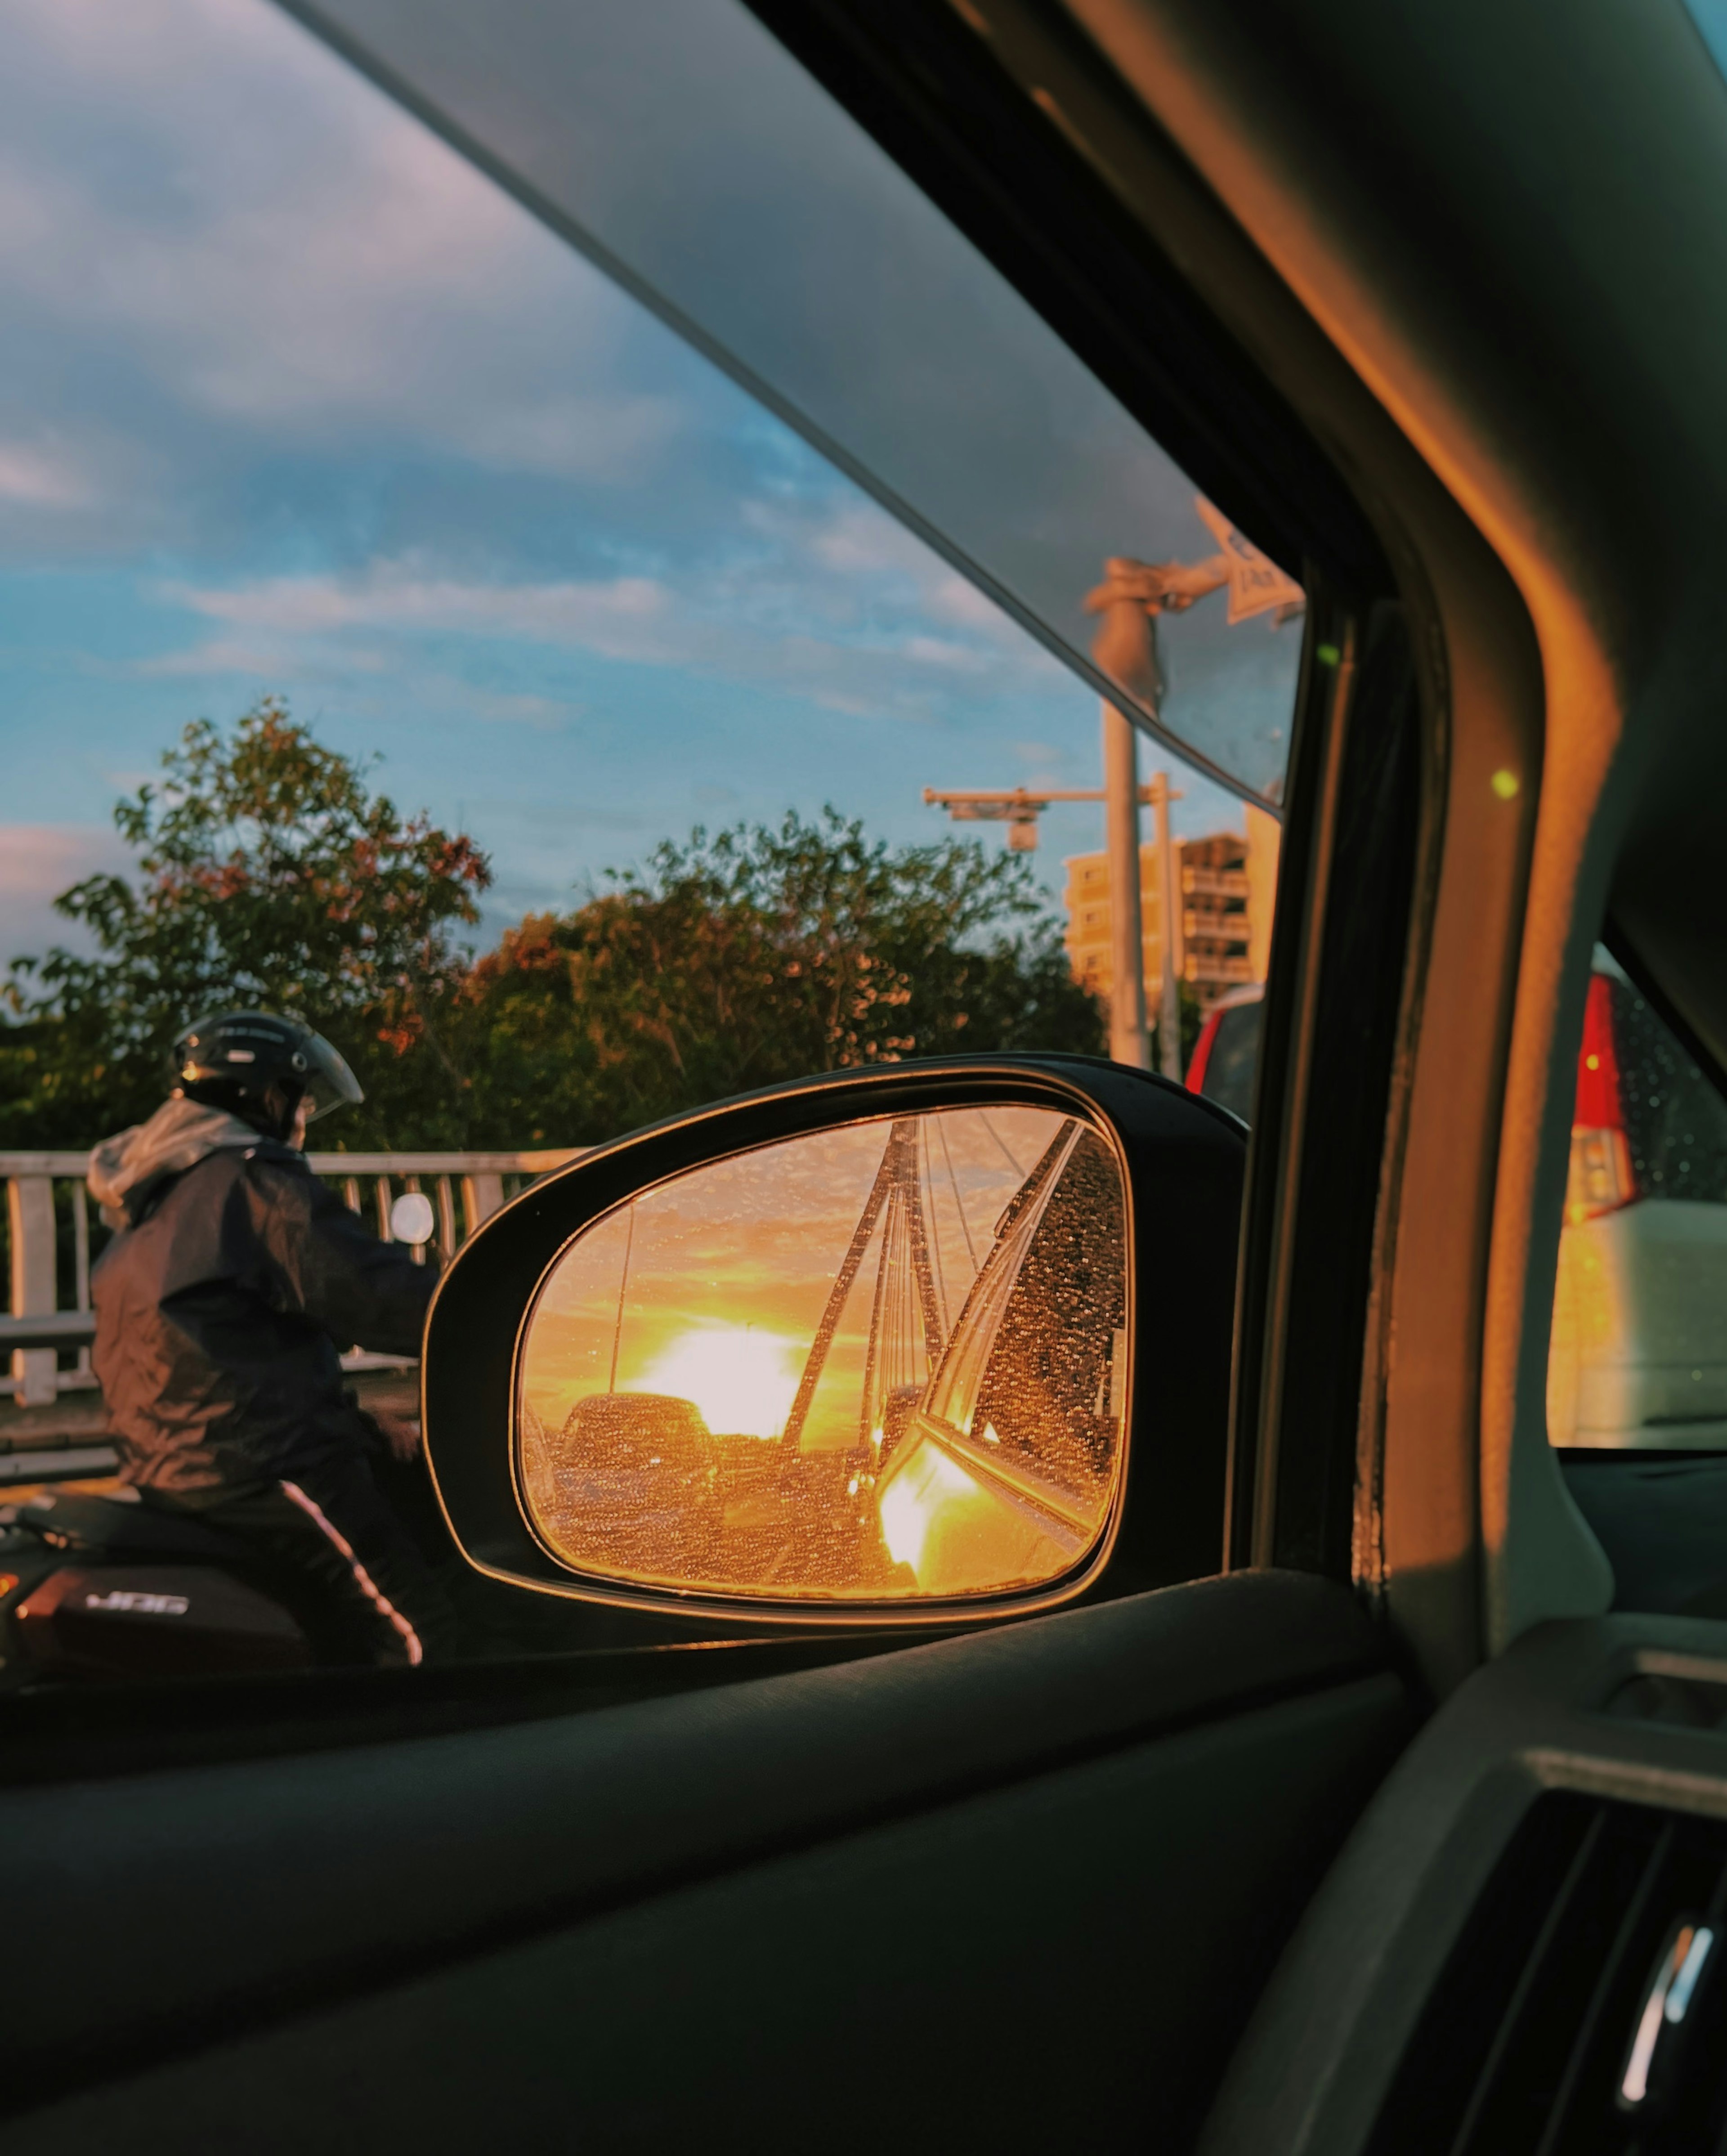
pixel 1520 1946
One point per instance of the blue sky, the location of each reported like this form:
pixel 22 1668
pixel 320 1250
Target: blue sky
pixel 292 400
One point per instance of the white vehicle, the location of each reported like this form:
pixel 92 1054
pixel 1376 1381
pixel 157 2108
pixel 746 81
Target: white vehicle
pixel 1639 1353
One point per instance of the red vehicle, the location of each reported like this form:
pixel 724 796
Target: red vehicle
pixel 1226 1053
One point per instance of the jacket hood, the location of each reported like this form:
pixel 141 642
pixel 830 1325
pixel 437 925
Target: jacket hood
pixel 125 1169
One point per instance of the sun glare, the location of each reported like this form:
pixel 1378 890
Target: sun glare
pixel 743 1380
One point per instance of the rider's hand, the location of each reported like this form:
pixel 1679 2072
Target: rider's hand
pixel 400 1435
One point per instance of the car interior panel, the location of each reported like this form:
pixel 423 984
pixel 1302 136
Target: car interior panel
pixel 557 1837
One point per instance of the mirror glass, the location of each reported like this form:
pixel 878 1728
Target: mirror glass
pixel 883 1362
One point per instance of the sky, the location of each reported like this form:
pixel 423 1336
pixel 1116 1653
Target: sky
pixel 294 401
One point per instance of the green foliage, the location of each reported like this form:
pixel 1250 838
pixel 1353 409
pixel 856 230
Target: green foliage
pixel 267 874
pixel 759 955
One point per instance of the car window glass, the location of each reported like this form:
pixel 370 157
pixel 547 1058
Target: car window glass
pixel 1637 1372
pixel 1638 1358
pixel 411 630
pixel 1675 1120
pixel 1233 1060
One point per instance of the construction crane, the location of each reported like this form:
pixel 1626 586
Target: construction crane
pixel 1019 806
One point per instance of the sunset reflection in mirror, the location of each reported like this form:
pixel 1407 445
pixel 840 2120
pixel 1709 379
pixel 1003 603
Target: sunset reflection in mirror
pixel 873 1364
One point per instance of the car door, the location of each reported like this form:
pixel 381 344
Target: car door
pixel 1024 1881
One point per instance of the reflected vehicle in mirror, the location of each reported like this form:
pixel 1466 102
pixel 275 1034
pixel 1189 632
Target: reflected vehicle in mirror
pixel 640 1472
pixel 882 1361
pixel 1008 1462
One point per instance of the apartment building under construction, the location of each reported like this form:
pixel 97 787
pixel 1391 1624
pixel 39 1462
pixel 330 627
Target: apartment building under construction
pixel 1223 939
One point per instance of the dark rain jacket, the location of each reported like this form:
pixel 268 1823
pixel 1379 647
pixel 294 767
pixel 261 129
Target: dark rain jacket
pixel 224 1304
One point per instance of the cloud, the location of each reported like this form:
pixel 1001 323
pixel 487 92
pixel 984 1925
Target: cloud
pixel 38 480
pixel 857 537
pixel 943 651
pixel 38 861
pixel 614 617
pixel 771 609
pixel 219 656
pixel 282 333
pixel 495 708
pixel 612 438
pixel 956 599
pixel 220 245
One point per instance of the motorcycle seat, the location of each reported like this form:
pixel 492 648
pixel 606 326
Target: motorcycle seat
pixel 135 1530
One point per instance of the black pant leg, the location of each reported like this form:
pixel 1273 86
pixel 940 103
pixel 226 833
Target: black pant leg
pixel 369 1596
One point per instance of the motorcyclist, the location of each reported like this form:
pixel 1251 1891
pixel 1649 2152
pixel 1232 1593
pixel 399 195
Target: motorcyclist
pixel 222 1306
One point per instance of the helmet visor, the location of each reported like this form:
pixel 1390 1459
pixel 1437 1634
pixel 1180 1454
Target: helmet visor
pixel 328 1079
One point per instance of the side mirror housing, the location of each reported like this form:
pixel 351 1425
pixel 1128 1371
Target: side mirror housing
pixel 900 1344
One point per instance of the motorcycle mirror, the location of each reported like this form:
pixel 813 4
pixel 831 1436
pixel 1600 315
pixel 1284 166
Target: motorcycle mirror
pixel 412 1219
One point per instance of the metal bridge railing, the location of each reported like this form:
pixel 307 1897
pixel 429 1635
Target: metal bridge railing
pixel 53 1235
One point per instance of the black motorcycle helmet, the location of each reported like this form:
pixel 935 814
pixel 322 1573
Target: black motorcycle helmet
pixel 239 1060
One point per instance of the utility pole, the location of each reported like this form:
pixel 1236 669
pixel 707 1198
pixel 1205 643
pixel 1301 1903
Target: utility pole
pixel 1131 600
pixel 1168 1002
pixel 1128 1040
pixel 1020 807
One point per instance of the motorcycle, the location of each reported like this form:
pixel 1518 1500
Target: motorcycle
pixel 111 1590
pixel 114 1589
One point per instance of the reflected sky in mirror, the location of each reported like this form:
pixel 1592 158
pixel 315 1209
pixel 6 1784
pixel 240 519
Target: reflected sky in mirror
pixel 712 1286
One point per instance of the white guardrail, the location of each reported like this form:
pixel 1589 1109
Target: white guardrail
pixel 51 1235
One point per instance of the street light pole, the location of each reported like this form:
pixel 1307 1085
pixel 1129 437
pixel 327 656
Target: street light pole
pixel 1168 1002
pixel 1131 600
pixel 1128 1041
pixel 1019 808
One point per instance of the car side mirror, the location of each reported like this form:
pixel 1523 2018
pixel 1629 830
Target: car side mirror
pixel 897 1343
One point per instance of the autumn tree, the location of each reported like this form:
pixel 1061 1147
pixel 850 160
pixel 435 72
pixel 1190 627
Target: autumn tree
pixel 268 874
pixel 756 955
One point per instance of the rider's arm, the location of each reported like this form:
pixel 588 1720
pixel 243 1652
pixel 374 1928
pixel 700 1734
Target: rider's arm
pixel 365 1292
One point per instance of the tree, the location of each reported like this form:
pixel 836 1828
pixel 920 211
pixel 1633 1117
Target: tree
pixel 754 956
pixel 267 874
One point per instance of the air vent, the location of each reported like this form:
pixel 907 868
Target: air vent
pixel 1583 2012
